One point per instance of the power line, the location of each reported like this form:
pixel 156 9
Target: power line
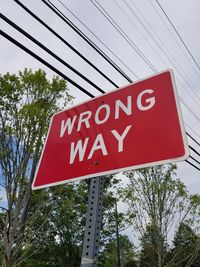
pixel 56 70
pixel 192 129
pixel 134 25
pixel 172 60
pixel 194 159
pixel 116 26
pixel 193 149
pixel 181 48
pixel 90 31
pixel 80 33
pixel 189 108
pixel 192 165
pixel 76 29
pixel 8 37
pixel 193 138
pixel 123 34
pixel 50 66
pixel 64 41
pixel 176 31
pixel 49 52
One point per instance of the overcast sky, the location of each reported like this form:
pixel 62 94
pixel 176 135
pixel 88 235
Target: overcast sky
pixel 146 28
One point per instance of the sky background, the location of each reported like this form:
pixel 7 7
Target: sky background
pixel 147 30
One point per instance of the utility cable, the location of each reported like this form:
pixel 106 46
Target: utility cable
pixel 12 40
pixel 194 159
pixel 53 68
pixel 49 52
pixel 192 165
pixel 70 24
pixel 8 37
pixel 194 150
pixel 135 27
pixel 123 34
pixel 90 31
pixel 193 138
pixel 190 110
pixel 172 60
pixel 176 31
pixel 192 129
pixel 39 20
pixel 64 41
pixel 172 35
pixel 60 73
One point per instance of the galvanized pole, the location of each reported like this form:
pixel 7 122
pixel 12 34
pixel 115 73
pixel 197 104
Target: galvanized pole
pixel 93 223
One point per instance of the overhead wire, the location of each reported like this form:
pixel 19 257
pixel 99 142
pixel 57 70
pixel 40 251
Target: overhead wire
pixel 193 139
pixel 192 164
pixel 178 34
pixel 171 58
pixel 194 150
pixel 192 129
pixel 91 32
pixel 111 18
pixel 116 26
pixel 57 71
pixel 135 27
pixel 123 34
pixel 130 20
pixel 191 111
pixel 58 12
pixel 15 26
pixel 82 35
pixel 12 40
pixel 194 159
pixel 39 20
pixel 65 42
pixel 121 9
pixel 173 37
pixel 8 37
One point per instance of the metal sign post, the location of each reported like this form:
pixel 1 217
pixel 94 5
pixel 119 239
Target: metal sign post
pixel 93 223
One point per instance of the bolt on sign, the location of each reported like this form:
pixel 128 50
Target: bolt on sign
pixel 136 126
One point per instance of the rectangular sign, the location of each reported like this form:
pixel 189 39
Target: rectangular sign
pixel 136 126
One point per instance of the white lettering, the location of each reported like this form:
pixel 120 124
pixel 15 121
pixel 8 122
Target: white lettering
pixel 127 109
pixel 98 144
pixel 80 149
pixel 107 114
pixel 120 138
pixel 150 100
pixel 85 120
pixel 67 125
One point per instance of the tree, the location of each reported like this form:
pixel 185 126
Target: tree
pixel 159 201
pixel 58 241
pixel 148 255
pixel 56 235
pixel 109 257
pixel 27 102
pixel 186 248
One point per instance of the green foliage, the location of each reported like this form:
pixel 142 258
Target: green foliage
pixel 157 201
pixel 109 255
pixel 59 225
pixel 149 241
pixel 27 102
pixel 186 247
pixel 58 230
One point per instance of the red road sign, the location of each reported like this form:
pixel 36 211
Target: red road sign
pixel 136 126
